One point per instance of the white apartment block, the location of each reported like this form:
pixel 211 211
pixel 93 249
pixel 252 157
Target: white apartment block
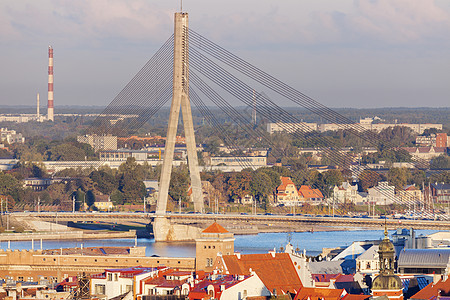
pixel 99 142
pixel 11 136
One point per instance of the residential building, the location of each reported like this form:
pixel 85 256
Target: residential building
pixel 213 240
pixel 287 193
pixel 315 293
pixel 368 262
pixel 99 142
pixel 139 155
pixel 441 139
pixel 426 140
pixel 382 194
pixel 224 287
pixel 435 140
pixel 165 282
pixel 11 136
pixel 440 192
pixel 40 184
pixel 346 193
pixel 276 270
pixel 425 153
pixel 115 282
pixel 433 291
pixel 410 195
pixel 291 127
pixel 309 195
pixel 103 202
pixel 247 161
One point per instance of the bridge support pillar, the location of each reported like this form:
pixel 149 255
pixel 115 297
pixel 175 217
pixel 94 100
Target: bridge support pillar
pixel 166 231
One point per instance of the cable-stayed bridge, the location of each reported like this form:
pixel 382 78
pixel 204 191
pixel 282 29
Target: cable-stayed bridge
pixel 191 69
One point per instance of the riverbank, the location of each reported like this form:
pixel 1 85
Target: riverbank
pixel 67 235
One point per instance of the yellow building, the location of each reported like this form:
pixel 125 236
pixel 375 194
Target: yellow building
pixel 103 202
pixel 213 240
pixel 287 193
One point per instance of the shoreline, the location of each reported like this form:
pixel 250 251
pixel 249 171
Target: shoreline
pixel 66 235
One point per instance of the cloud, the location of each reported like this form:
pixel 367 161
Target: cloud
pixel 84 20
pixel 399 21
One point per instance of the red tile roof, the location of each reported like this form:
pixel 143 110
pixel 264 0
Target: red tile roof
pixel 356 297
pixel 433 289
pixel 308 192
pixel 277 273
pixel 215 228
pixel 307 293
pixel 285 181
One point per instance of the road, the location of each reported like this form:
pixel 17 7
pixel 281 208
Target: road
pixel 295 223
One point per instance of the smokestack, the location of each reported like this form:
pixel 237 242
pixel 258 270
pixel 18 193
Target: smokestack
pixel 50 115
pixel 37 108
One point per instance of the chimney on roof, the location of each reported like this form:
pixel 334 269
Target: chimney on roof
pixel 238 254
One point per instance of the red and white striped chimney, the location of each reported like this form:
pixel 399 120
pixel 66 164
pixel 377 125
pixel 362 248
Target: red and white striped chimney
pixel 50 115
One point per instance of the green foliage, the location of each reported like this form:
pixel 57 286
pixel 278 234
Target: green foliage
pixel 179 184
pixel 90 198
pixel 10 186
pixel 398 177
pixel 440 162
pixel 80 199
pixel 389 155
pixel 130 183
pixel 116 197
pixel 440 177
pixel 368 179
pixel 65 152
pixel 105 182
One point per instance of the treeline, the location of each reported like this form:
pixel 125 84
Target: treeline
pixel 124 185
pixel 39 148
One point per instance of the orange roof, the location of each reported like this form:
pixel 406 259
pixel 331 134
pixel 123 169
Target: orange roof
pixel 308 192
pixel 433 289
pixel 277 273
pixel 319 294
pixel 285 181
pixel 215 228
pixel 356 297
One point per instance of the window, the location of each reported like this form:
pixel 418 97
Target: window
pixel 209 262
pixel 99 289
pixel 109 277
pixel 116 277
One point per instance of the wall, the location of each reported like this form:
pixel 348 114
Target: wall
pixel 28 263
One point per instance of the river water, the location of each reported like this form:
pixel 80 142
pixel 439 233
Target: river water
pixel 246 244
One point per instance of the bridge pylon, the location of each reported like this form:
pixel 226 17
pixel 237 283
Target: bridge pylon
pixel 180 100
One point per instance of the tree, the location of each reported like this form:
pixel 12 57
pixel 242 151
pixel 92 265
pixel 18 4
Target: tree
pixel 90 198
pixel 80 198
pixel 440 162
pixel 398 177
pixel 261 187
pixel 66 152
pixel 10 186
pixel 368 179
pixel 104 181
pixel 179 184
pixel 116 197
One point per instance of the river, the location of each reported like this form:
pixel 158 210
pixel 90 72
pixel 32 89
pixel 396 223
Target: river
pixel 261 243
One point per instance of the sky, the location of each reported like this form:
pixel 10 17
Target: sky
pixel 346 53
